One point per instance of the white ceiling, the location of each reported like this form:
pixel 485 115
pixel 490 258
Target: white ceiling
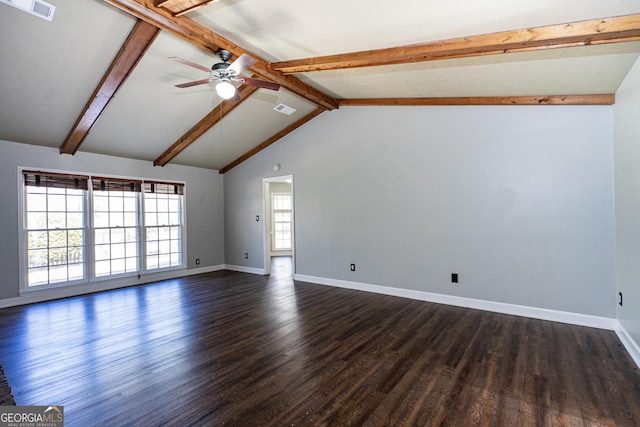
pixel 50 69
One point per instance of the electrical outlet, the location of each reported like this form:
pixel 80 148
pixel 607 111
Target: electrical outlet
pixel 454 277
pixel 620 299
pixel 197 261
pixel 353 267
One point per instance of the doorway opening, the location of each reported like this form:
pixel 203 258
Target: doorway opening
pixel 279 236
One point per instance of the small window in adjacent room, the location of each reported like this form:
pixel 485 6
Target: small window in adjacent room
pixel 282 212
pixel 55 223
pixel 163 224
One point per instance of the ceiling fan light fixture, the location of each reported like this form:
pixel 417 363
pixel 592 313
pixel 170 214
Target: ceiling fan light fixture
pixel 225 89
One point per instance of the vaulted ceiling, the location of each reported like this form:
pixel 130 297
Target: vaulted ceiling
pixel 98 78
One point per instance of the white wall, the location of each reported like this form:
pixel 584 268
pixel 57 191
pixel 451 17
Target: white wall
pixel 627 184
pixel 203 196
pixel 517 200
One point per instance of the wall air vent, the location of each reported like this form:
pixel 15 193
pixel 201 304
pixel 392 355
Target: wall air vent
pixel 285 109
pixel 39 8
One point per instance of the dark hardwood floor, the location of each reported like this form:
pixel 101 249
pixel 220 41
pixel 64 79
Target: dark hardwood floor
pixel 229 349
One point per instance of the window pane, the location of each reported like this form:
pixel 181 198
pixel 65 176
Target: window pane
pixel 116 203
pixel 117 235
pixel 152 233
pixel 176 259
pixel 164 261
pixel 102 252
pixel 131 235
pixel 102 235
pixel 36 202
pixel 38 276
pixel 131 264
pixel 76 271
pixel 57 202
pixel 131 203
pixel 116 219
pixel 117 251
pixel 75 237
pixel 131 249
pixel 163 218
pixel 163 205
pixel 75 255
pixel 36 221
pixel 130 219
pixel 174 218
pixel 152 262
pixel 38 258
pixel 37 239
pixel 58 239
pixel 174 204
pixel 164 247
pixel 152 248
pixel 103 268
pixel 100 219
pixel 58 274
pixel 100 202
pixel 75 203
pixel 150 203
pixel 164 233
pixel 151 219
pixel 117 266
pixel 75 220
pixel 175 232
pixel 57 220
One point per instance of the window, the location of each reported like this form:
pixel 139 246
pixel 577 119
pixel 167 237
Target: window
pixel 282 207
pixel 163 224
pixel 115 225
pixel 55 227
pixel 76 231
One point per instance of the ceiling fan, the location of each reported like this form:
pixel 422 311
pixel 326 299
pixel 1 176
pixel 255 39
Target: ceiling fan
pixel 225 73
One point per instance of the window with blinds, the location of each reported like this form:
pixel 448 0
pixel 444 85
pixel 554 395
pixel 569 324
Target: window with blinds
pixel 55 227
pixel 163 224
pixel 78 228
pixel 115 225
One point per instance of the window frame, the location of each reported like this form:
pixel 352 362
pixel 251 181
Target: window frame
pixel 145 226
pixel 23 247
pixel 89 256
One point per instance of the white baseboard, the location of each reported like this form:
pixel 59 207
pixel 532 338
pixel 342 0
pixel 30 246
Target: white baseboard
pixel 629 343
pixel 497 307
pixel 242 269
pixel 103 285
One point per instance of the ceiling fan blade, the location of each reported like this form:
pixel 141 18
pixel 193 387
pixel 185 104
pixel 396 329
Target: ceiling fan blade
pixel 190 64
pixel 194 83
pixel 242 63
pixel 261 83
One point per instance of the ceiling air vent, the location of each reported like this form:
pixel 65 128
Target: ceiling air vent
pixel 39 8
pixel 285 109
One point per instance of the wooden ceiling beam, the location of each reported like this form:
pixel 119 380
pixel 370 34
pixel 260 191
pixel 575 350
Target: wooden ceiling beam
pixel 605 99
pixel 206 39
pixel 272 140
pixel 139 40
pixel 584 33
pixel 217 114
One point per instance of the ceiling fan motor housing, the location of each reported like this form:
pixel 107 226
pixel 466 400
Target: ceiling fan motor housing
pixel 224 54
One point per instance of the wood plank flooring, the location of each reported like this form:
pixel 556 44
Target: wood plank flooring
pixel 233 349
